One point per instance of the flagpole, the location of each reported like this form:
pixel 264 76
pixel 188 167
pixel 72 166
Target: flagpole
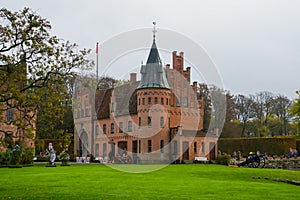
pixel 97 61
pixel 94 115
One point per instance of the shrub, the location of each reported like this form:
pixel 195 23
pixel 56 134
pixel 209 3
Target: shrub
pixel 4 158
pixel 15 155
pixel 64 156
pixel 223 159
pixel 27 155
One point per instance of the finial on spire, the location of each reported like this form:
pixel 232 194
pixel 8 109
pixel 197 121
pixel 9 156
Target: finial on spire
pixel 154 30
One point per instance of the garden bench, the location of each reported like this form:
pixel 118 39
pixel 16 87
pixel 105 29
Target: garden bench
pixel 201 160
pixel 100 159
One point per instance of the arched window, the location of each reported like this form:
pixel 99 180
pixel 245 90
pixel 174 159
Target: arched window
pixel 112 128
pixel 149 100
pixel 195 147
pixel 178 101
pixel 167 101
pixel 162 101
pixel 121 127
pixel 97 150
pixel 129 126
pixel 162 146
pixel 149 122
pixel 202 147
pixel 104 149
pixel 162 122
pixel 149 146
pixel 140 122
pixel 97 130
pixel 185 102
pixel 175 146
pixel 104 128
pixel 155 100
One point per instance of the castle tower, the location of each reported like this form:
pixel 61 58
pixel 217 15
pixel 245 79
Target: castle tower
pixel 153 99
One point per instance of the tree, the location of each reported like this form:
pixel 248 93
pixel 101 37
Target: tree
pixel 203 92
pixel 230 107
pixel 231 127
pixel 281 106
pixel 244 111
pixel 263 131
pixel 275 126
pixel 262 110
pixel 218 111
pixel 295 110
pixel 262 106
pixel 35 67
pixel 106 82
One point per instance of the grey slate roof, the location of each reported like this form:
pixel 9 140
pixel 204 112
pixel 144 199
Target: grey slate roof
pixel 153 55
pixel 125 100
pixel 153 73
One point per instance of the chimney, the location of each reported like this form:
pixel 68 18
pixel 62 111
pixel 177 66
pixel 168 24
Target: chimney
pixel 132 78
pixel 194 86
pixel 181 54
pixel 178 61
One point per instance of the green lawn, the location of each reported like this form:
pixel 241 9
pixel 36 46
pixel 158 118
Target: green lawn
pixel 173 182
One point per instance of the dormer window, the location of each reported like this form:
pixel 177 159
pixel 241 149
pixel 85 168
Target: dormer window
pixel 149 122
pixel 112 107
pixel 112 128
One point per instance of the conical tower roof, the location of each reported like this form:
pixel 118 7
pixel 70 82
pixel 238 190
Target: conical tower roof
pixel 153 55
pixel 153 73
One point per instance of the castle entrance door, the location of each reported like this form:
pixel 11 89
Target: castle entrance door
pixel 185 148
pixel 212 153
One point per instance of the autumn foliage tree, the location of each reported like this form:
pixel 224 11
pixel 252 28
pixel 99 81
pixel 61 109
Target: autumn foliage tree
pixel 35 70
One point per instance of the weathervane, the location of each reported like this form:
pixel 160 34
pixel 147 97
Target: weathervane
pixel 154 30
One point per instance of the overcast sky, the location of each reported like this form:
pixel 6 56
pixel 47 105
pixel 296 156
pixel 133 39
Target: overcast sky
pixel 255 44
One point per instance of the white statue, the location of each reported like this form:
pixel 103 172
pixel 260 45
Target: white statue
pixel 50 152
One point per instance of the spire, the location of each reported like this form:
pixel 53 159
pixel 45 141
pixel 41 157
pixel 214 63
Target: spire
pixel 154 55
pixel 153 73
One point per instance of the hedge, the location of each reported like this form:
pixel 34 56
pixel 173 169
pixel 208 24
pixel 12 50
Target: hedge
pixel 272 146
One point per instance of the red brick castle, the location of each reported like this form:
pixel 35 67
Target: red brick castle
pixel 158 119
